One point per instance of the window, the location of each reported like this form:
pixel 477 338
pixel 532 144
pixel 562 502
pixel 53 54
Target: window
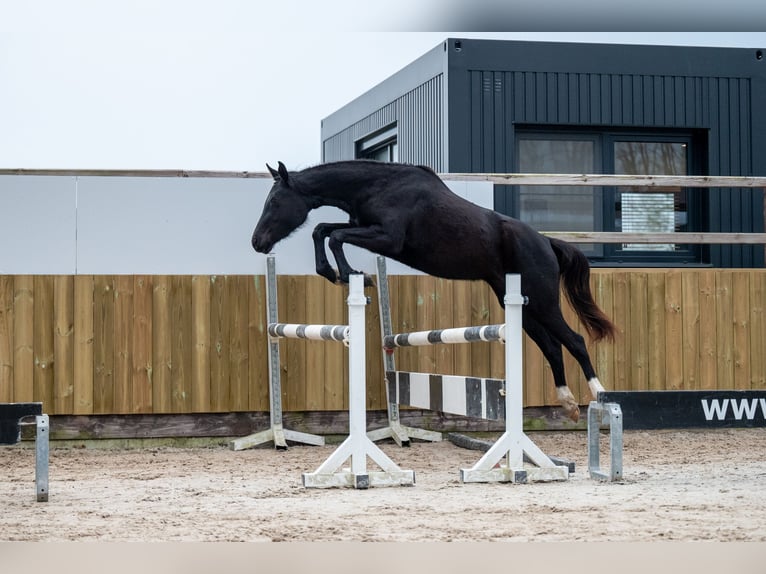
pixel 560 207
pixel 646 210
pixel 634 209
pixel 380 145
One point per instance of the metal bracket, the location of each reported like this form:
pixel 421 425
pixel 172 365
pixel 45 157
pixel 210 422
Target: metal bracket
pixel 609 414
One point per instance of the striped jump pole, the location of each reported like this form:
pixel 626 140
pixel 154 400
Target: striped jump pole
pixel 446 336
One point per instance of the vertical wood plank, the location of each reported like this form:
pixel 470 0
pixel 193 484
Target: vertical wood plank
pixel 201 317
pixel 741 327
pixel 622 321
pixel 63 344
pixel 6 338
pixel 162 358
pixel 103 344
pixel 480 315
pixel 757 330
pixel 83 368
pixel 43 342
pixel 673 337
pixel 444 307
pixel 603 355
pixel 258 344
pixel 142 343
pixel 376 386
pixel 123 343
pixel 23 338
pixel 659 311
pixel 461 315
pixel 295 381
pixel 335 369
pixel 220 329
pixel 725 327
pixel 534 374
pixel 180 296
pixel 237 307
pixel 315 353
pixel 708 332
pixel 691 335
pixel 638 332
pixel 425 319
pixel 407 314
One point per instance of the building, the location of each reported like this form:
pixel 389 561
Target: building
pixel 490 106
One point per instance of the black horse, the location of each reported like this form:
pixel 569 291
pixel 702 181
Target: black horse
pixel 407 213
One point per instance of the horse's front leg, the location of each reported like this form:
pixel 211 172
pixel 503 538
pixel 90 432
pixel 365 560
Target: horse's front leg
pixel 374 238
pixel 321 232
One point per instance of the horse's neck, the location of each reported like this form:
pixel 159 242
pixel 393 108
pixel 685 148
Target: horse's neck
pixel 336 190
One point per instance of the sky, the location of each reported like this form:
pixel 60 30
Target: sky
pixel 233 84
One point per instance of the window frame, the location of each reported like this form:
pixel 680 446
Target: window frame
pixel 384 139
pixel 609 254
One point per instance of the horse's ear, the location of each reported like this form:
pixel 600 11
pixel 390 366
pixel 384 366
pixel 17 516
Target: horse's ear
pixel 274 173
pixel 283 174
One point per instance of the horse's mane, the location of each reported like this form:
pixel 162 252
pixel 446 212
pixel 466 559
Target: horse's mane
pixel 359 162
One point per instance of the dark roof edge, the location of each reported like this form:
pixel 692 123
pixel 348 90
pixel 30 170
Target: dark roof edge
pixel 427 66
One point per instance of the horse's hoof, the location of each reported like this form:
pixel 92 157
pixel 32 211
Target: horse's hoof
pixel 568 403
pixel 368 281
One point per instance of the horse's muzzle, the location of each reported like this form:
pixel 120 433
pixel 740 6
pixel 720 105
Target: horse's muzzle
pixel 260 245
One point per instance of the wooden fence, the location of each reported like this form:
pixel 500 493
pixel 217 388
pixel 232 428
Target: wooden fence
pixel 126 344
pixel 196 344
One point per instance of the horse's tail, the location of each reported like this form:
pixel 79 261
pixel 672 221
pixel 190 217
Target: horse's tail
pixel 575 274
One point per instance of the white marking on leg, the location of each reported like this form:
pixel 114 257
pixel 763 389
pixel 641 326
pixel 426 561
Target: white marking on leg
pixel 595 387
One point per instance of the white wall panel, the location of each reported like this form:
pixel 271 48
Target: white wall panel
pixel 37 225
pixel 155 225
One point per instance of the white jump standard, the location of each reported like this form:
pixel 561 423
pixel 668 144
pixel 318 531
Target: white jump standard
pixel 357 447
pixel 484 398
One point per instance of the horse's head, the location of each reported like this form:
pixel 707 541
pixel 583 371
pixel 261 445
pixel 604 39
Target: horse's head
pixel 285 210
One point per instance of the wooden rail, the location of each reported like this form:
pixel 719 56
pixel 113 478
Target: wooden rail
pixel 533 179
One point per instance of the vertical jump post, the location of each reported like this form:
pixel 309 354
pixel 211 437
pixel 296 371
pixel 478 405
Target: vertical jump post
pixel 358 446
pixel 276 433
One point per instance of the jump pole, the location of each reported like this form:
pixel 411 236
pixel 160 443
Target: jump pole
pixel 358 446
pixel 276 433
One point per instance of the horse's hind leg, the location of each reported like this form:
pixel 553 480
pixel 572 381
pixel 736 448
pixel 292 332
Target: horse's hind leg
pixel 551 349
pixel 575 344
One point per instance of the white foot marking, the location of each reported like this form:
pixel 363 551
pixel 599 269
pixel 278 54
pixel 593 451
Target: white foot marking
pixel 595 387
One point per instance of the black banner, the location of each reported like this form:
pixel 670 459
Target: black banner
pixel 689 409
